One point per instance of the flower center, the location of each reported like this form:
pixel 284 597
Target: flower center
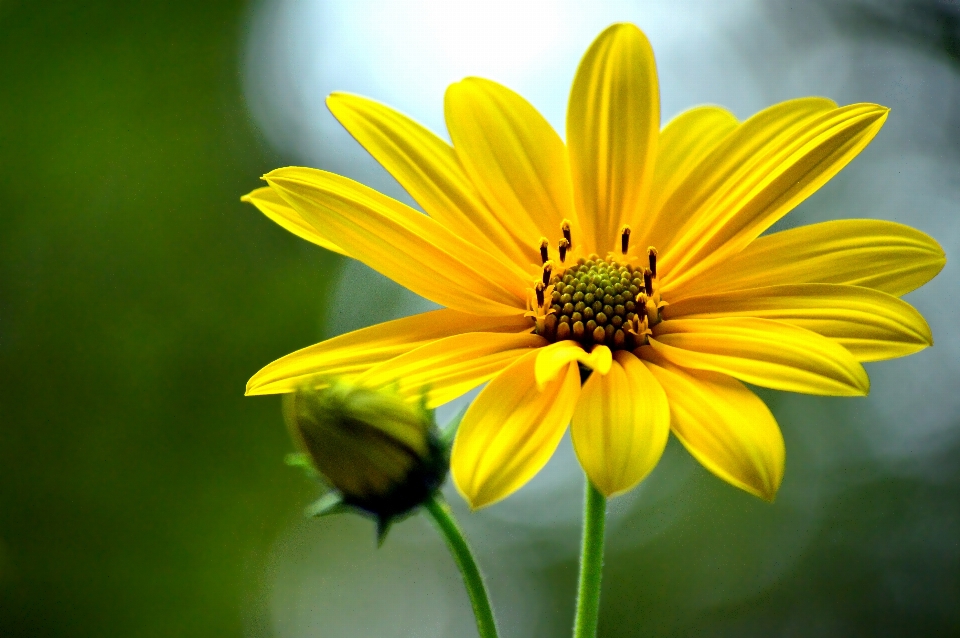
pixel 597 301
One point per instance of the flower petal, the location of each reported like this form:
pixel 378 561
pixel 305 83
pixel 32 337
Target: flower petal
pixel 726 165
pixel 684 143
pixel 515 158
pixel 397 241
pixel 613 122
pixel 872 325
pixel 447 368
pixel 510 431
pixel 428 168
pixel 725 426
pixel 621 425
pixel 770 181
pixel 273 206
pixel 358 351
pixel 555 358
pixel 763 352
pixel 882 255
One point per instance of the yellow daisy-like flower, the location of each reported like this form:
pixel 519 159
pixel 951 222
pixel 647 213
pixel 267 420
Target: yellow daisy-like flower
pixel 620 282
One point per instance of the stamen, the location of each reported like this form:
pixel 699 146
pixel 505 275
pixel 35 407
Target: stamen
pixel 595 302
pixel 544 244
pixel 564 245
pixel 652 254
pixel 624 239
pixel 565 227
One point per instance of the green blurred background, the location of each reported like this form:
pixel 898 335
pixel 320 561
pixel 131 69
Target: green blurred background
pixel 140 491
pixel 142 495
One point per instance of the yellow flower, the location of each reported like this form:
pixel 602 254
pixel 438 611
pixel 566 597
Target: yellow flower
pixel 631 257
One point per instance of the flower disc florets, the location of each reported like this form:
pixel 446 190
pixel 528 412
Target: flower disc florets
pixel 598 301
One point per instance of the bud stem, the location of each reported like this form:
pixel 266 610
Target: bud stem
pixel 443 518
pixel 591 563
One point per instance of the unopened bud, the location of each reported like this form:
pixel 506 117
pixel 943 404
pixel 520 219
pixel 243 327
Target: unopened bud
pixel 382 453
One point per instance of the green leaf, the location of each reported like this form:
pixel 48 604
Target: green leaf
pixel 296 459
pixel 383 528
pixel 449 432
pixel 327 505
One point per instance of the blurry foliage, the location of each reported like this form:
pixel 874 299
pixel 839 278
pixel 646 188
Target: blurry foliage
pixel 139 491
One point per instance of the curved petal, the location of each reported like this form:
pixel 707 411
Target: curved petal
pixel 872 325
pixel 273 206
pixel 882 255
pixel 356 352
pixel 555 358
pixel 510 431
pixel 515 158
pixel 770 184
pixel 763 352
pixel 613 123
pixel 447 368
pixel 684 143
pixel 621 425
pixel 725 426
pixel 428 168
pixel 730 162
pixel 397 241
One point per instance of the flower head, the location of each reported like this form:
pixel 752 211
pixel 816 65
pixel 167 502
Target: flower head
pixel 620 281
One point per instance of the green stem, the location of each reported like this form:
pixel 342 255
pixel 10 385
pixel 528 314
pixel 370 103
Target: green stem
pixel 447 524
pixel 591 563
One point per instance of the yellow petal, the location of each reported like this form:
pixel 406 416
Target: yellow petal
pixel 515 158
pixel 402 244
pixel 725 426
pixel 510 431
pixel 763 352
pixel 872 325
pixel 447 368
pixel 428 168
pixel 770 182
pixel 729 162
pixel 886 256
pixel 555 358
pixel 273 206
pixel 684 143
pixel 613 121
pixel 356 352
pixel 620 425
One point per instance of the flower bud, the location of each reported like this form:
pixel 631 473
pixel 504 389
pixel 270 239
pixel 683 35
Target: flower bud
pixel 382 453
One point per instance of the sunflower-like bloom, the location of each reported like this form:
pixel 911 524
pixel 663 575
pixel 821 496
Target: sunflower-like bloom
pixel 620 282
